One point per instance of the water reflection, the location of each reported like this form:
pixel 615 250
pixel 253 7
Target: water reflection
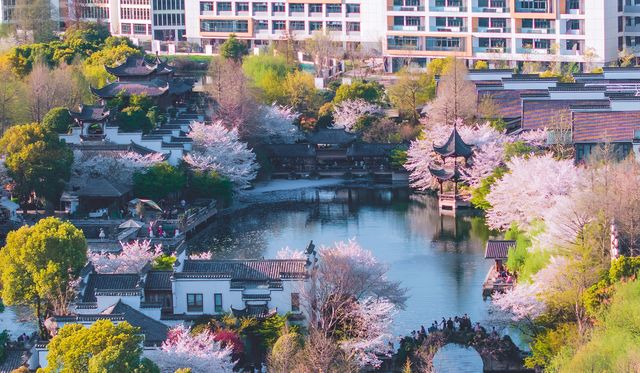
pixel 439 259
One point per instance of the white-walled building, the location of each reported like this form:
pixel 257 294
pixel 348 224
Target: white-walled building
pixel 404 30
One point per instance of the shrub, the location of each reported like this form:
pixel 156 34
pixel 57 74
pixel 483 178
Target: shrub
pixel 58 120
pixel 158 181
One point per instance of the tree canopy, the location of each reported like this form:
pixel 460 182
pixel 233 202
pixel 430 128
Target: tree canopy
pixel 233 48
pixel 368 91
pixel 103 347
pixel 36 160
pixel 58 120
pixel 158 181
pixel 38 262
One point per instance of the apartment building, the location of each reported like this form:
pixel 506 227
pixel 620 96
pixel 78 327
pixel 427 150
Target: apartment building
pixel 404 30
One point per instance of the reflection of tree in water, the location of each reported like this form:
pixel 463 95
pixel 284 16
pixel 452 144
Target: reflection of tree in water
pixel 462 234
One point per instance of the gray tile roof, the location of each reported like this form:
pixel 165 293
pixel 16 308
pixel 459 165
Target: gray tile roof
pixel 101 187
pixel 136 66
pixel 244 270
pixel 371 150
pixel 330 136
pixel 498 249
pixel 110 283
pixel 158 280
pixel 154 331
pixel 292 150
pixel 14 359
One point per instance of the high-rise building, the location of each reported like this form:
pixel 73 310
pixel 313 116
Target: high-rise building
pixel 416 30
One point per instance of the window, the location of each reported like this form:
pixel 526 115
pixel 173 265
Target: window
pixel 315 26
pixel 259 7
pixel 334 8
pixel 315 8
pixel 573 4
pixel 296 25
pixel 206 7
pixel 277 7
pixel 125 28
pixel 353 8
pixel 194 302
pixel 242 7
pixel 353 26
pixel 262 25
pixel 139 29
pixel 217 303
pixel 296 8
pixel 573 24
pixel 224 7
pixel 573 45
pixel 536 43
pixel 220 25
pixel 334 26
pixel 295 302
pixel 279 25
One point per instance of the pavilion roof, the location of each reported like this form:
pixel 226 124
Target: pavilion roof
pixel 90 113
pixel 153 88
pixel 498 249
pixel 336 136
pixel 445 175
pixel 454 146
pixel 135 66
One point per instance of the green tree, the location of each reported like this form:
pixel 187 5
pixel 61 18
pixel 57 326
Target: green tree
pixel 266 74
pixel 134 118
pixel 410 92
pixel 210 185
pixel 114 51
pixel 58 120
pixel 300 92
pixel 158 181
pixel 368 91
pixel 233 48
pixel 37 161
pixel 37 263
pixel 479 194
pixel 102 347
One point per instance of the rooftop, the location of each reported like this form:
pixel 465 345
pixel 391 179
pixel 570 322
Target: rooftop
pixel 136 66
pixel 244 270
pixel 90 113
pixel 498 249
pixel 336 136
pixel 605 126
pixel 454 146
pixel 111 283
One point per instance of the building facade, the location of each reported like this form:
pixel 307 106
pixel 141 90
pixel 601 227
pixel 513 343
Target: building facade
pixel 404 30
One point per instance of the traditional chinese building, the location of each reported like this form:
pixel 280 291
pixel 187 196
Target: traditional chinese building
pixel 452 152
pixel 137 76
pixel 91 119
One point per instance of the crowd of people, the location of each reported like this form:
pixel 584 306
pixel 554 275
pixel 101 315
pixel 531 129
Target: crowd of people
pixel 457 323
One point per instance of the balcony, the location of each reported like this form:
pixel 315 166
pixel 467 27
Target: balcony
pixel 491 50
pixel 208 13
pixel 403 47
pixel 406 8
pixel 522 50
pixel 574 11
pixel 634 28
pixel 486 9
pixel 405 28
pixel 296 14
pixel 528 30
pixel 448 28
pixel 455 8
pixel 574 32
pixel 499 30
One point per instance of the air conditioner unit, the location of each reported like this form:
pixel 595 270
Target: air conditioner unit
pixel 499 10
pixel 454 29
pixel 409 8
pixel 543 31
pixel 493 30
pixel 410 28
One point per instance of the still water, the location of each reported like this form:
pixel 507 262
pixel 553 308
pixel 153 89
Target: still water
pixel 440 260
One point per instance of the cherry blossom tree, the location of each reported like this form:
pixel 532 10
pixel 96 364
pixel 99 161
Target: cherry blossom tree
pixel 420 155
pixel 287 253
pixel 118 168
pixel 347 113
pixel 486 158
pixel 350 295
pixel 530 189
pixel 131 259
pixel 368 331
pixel 206 255
pixel 201 353
pixel 276 125
pixel 526 301
pixel 216 148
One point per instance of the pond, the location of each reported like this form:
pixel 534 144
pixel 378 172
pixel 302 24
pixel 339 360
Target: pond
pixel 439 259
